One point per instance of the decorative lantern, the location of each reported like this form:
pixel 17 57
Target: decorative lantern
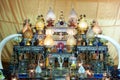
pixel 50 18
pixel 40 28
pixel 27 32
pixel 40 24
pixel 73 19
pixel 71 40
pixel 82 25
pixel 73 14
pixel 96 29
pixel 48 42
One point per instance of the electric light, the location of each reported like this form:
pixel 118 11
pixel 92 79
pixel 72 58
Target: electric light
pixel 71 41
pixel 48 42
pixel 32 70
pixel 79 64
pixel 41 64
pixel 14 78
pixel 83 26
